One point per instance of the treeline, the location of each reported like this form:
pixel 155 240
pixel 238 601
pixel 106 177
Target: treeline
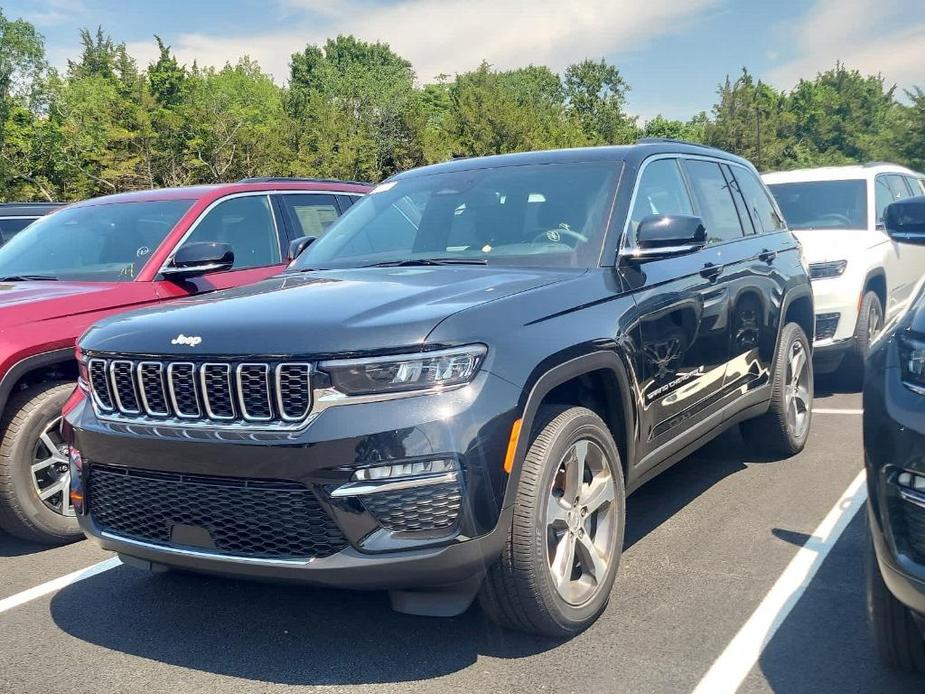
pixel 354 110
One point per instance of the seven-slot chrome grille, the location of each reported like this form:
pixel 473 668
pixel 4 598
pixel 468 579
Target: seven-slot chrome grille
pixel 247 393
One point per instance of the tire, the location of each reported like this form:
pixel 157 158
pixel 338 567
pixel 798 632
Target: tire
pixel 896 634
pixel 22 512
pixel 519 591
pixel 870 321
pixel 775 432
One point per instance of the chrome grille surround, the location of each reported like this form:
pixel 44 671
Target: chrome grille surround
pixel 249 395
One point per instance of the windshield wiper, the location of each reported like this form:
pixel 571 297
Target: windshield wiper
pixel 28 278
pixel 411 262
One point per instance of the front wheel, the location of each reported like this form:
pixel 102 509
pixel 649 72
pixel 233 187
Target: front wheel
pixel 34 474
pixel 869 325
pixel 560 561
pixel 784 429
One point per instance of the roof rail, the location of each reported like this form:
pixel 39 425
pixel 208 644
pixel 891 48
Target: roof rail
pixel 670 140
pixel 296 179
pixel 31 204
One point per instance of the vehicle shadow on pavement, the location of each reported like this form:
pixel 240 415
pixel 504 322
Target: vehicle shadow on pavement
pixel 14 547
pixel 671 491
pixel 276 633
pixel 825 644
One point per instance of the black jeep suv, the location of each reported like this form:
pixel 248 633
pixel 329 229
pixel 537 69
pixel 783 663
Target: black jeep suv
pixel 452 392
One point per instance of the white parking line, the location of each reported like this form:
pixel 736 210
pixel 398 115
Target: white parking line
pixel 57 584
pixel 732 667
pixel 823 410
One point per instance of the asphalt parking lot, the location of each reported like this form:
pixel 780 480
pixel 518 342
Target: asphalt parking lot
pixel 706 543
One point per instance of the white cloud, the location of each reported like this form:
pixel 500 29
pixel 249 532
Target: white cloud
pixel 450 36
pixel 873 36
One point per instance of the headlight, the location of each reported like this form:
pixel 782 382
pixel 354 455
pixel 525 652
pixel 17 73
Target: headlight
pixel 83 375
pixel 405 372
pixel 912 363
pixel 833 268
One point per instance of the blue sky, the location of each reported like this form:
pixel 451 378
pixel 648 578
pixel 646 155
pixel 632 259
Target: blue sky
pixel 673 53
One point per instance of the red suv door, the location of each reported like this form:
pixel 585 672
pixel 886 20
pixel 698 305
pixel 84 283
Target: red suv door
pixel 247 222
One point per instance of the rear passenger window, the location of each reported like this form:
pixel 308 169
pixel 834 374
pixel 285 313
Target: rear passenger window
pixel 715 199
pixel 661 191
pixel 762 211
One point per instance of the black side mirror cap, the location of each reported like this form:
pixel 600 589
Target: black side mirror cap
pixel 904 220
pixel 666 236
pixel 200 258
pixel 300 244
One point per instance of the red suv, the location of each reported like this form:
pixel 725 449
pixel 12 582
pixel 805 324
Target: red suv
pixel 107 255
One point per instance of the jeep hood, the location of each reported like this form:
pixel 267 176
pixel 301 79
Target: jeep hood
pixel 30 302
pixel 821 245
pixel 315 314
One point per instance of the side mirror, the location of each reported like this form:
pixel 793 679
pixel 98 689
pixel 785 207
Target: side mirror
pixel 195 259
pixel 904 220
pixel 300 244
pixel 666 236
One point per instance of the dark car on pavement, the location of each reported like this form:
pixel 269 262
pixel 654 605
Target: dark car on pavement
pixel 453 391
pixel 16 216
pixel 106 255
pixel 894 447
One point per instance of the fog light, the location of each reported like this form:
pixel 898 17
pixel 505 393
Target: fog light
pixel 411 469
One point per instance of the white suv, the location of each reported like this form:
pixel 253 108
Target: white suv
pixel 860 275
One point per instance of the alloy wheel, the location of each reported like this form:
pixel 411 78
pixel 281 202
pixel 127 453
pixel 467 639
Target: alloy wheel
pixel 51 475
pixel 581 519
pixel 797 396
pixel 874 322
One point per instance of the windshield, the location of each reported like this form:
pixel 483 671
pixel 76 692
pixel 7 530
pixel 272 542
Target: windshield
pixel 823 204
pixel 105 242
pixel 544 215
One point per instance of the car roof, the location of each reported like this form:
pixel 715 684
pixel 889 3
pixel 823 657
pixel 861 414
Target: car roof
pixel 28 209
pixel 837 173
pixel 632 154
pixel 219 190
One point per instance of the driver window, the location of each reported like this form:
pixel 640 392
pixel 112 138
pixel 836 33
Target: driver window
pixel 246 223
pixel 883 196
pixel 661 191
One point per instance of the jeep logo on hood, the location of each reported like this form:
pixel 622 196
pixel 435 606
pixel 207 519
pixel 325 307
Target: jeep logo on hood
pixel 192 340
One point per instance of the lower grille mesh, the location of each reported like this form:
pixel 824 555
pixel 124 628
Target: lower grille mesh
pixel 421 508
pixel 243 517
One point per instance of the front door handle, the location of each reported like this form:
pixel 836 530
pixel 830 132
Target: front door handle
pixel 767 256
pixel 711 271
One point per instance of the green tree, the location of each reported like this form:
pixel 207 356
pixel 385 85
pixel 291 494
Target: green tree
pixel 751 119
pixel 840 116
pixel 693 130
pixel 234 119
pixel 596 96
pixel 355 110
pixel 492 112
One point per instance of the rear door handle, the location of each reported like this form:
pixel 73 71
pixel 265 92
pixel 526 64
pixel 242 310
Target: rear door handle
pixel 711 271
pixel 767 256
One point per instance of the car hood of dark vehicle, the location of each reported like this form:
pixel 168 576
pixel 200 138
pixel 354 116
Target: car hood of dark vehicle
pixel 315 314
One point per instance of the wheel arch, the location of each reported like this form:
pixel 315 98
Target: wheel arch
pixel 875 281
pixel 39 368
pixel 571 381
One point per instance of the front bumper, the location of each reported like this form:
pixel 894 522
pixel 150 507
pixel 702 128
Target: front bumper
pixel 894 441
pixel 469 426
pixel 836 296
